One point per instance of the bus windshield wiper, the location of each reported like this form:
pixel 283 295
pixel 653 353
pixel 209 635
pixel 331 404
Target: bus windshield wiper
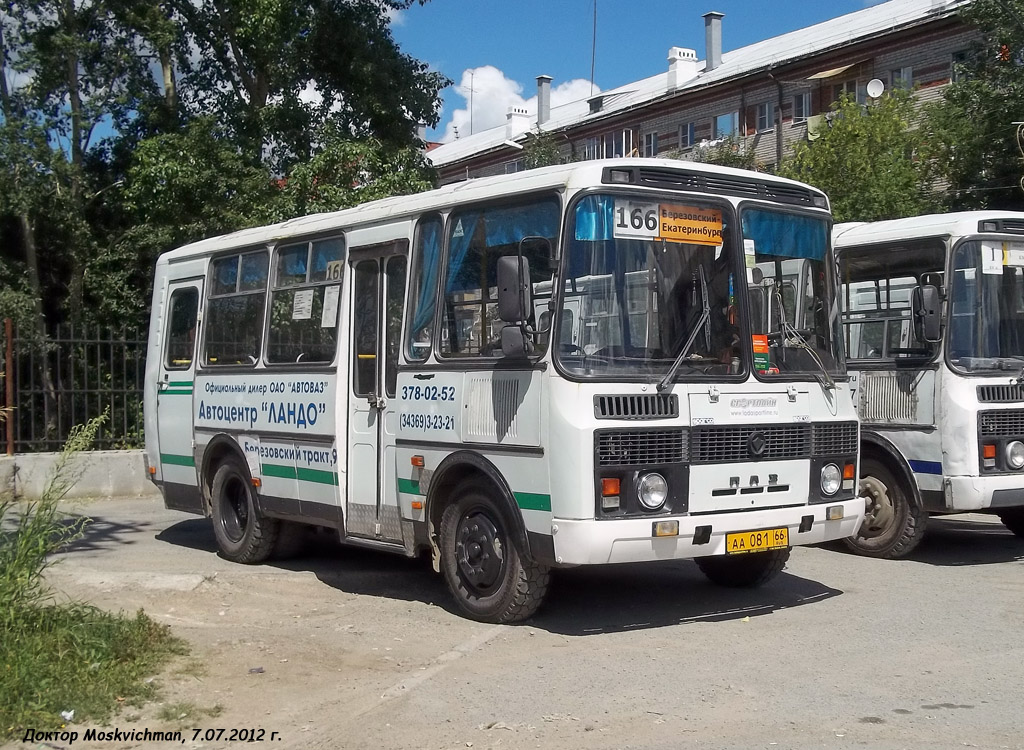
pixel 702 321
pixel 790 333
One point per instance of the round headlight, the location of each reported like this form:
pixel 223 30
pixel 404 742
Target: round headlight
pixel 652 489
pixel 1015 454
pixel 831 479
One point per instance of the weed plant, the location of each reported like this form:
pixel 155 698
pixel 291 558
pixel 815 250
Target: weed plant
pixel 62 655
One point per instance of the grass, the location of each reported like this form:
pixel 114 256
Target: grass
pixel 58 657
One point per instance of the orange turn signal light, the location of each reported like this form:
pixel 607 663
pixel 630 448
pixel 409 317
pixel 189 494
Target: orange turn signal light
pixel 610 486
pixel 848 470
pixel 417 505
pixel 152 470
pixel 257 482
pixel 418 462
pixel 989 451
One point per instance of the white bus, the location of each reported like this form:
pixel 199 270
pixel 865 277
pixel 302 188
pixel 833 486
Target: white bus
pixel 933 309
pixel 386 372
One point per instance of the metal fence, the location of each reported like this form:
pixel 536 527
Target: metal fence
pixel 69 377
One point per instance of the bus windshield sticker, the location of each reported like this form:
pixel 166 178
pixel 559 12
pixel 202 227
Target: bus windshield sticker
pixel 302 307
pixel 991 259
pixel 330 311
pixel 1013 254
pixel 749 254
pixel 334 270
pixel 667 222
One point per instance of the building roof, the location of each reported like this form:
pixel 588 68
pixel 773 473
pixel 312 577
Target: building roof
pixel 765 55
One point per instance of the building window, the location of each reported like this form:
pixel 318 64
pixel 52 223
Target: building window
pixel 727 125
pixel 765 119
pixel 801 106
pixel 687 134
pixel 511 167
pixel 592 148
pixel 857 90
pixel 650 144
pixel 901 78
pixel 961 61
pixel 618 143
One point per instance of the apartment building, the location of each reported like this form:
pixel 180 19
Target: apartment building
pixel 770 94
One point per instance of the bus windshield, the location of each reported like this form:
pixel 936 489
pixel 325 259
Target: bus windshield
pixel 987 306
pixel 789 286
pixel 638 300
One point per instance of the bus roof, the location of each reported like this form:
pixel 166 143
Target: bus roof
pixel 578 174
pixel 931 225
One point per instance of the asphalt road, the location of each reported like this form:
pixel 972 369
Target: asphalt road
pixel 357 649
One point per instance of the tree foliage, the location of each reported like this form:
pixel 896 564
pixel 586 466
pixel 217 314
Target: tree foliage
pixel 726 152
pixel 870 160
pixel 978 146
pixel 129 127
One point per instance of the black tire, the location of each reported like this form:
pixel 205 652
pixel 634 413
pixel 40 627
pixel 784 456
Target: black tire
pixel 1013 519
pixel 292 538
pixel 243 535
pixel 744 571
pixel 485 571
pixel 893 523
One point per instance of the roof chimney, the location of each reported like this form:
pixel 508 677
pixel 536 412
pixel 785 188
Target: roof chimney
pixel 543 99
pixel 516 122
pixel 682 66
pixel 712 40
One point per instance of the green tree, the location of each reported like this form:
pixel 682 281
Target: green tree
pixel 870 160
pixel 726 152
pixel 978 148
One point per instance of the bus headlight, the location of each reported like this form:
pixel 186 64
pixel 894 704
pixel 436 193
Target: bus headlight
pixel 831 479
pixel 652 489
pixel 1015 454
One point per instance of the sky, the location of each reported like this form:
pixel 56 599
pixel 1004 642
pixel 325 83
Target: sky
pixel 493 51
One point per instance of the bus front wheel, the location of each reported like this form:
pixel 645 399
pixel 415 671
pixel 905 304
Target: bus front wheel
pixel 485 571
pixel 243 535
pixel 743 571
pixel 893 524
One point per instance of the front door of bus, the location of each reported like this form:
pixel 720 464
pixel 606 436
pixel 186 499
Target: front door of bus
pixel 174 396
pixel 378 292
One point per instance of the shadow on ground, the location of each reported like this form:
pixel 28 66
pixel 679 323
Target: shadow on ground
pixel 960 540
pixel 582 601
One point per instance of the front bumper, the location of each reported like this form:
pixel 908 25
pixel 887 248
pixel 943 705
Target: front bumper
pixel 965 493
pixel 589 542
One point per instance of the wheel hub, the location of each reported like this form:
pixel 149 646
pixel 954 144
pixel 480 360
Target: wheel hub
pixel 235 510
pixel 479 552
pixel 879 512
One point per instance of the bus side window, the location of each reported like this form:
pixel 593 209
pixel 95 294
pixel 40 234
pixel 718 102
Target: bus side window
pixel 426 264
pixel 304 302
pixel 181 328
pixel 234 316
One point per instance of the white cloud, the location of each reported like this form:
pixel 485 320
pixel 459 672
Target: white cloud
pixel 490 93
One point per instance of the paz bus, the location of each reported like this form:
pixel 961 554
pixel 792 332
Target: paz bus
pixel 933 313
pixel 390 373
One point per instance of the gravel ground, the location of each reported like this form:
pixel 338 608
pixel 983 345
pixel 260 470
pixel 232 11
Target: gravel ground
pixel 357 649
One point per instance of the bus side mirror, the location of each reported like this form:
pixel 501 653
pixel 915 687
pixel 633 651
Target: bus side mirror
pixel 515 292
pixel 927 309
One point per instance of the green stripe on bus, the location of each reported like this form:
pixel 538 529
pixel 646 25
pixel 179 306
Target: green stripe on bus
pixel 176 460
pixel 176 392
pixel 316 476
pixel 409 487
pixel 180 383
pixel 533 501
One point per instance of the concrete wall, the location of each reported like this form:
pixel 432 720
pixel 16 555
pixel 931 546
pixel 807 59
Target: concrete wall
pixel 100 474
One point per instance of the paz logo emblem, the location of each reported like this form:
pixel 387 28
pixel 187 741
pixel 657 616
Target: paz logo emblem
pixel 756 444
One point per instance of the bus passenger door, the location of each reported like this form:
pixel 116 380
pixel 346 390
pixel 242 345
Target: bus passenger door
pixel 174 397
pixel 378 292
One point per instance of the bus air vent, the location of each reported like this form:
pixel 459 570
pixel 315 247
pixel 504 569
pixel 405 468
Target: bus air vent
pixel 640 447
pixel 835 439
pixel 744 187
pixel 1008 226
pixel 1000 394
pixel 636 406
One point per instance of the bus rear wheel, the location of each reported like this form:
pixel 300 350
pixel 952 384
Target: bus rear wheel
pixel 743 571
pixel 893 524
pixel 1013 519
pixel 485 571
pixel 243 534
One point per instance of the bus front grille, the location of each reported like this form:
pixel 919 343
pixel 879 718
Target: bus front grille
pixel 1003 423
pixel 741 443
pixel 640 447
pixel 835 439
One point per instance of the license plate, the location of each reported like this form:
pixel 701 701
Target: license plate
pixel 756 541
